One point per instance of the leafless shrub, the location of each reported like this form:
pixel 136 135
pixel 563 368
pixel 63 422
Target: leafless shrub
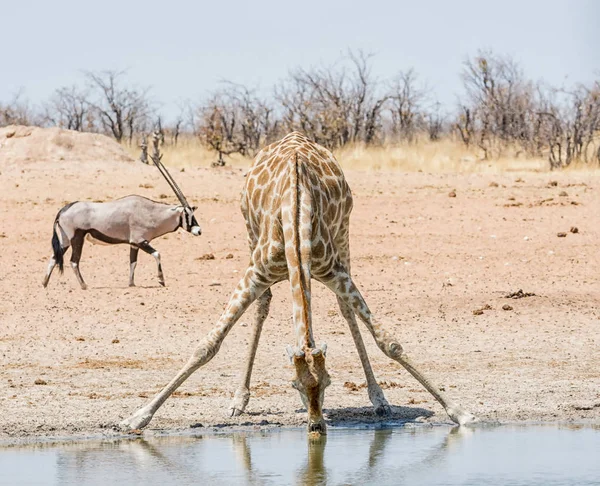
pixel 505 111
pixel 122 111
pixel 69 108
pixel 334 105
pixel 18 111
pixel 235 120
pixel 407 107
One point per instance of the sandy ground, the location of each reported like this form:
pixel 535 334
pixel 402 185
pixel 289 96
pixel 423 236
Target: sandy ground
pixel 423 259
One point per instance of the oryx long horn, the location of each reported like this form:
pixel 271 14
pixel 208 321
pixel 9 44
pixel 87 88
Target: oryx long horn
pixel 169 178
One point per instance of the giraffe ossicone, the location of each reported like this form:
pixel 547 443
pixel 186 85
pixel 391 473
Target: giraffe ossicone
pixel 297 205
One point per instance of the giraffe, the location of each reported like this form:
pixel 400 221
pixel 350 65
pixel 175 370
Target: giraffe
pixel 297 204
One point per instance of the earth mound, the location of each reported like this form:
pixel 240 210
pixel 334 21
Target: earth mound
pixel 21 145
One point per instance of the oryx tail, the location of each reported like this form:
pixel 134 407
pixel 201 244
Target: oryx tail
pixel 56 245
pixel 57 249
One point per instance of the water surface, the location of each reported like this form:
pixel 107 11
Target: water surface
pixel 511 455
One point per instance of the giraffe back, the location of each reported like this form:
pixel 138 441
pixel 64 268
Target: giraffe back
pixel 266 195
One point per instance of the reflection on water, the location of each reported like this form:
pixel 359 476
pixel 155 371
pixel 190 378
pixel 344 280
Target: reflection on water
pixel 533 455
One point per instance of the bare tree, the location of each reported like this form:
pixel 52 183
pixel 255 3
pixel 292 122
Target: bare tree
pixel 334 105
pixel 407 106
pixel 122 111
pixel 235 120
pixel 69 108
pixel 18 112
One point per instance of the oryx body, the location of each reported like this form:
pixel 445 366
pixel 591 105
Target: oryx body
pixel 133 220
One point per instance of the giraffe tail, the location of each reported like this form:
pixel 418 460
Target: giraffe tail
pixel 297 230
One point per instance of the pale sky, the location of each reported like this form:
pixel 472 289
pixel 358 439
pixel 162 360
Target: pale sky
pixel 183 49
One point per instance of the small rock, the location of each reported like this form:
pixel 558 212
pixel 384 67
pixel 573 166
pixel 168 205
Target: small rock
pixel 229 256
pixel 197 425
pixel 452 193
pixel 39 381
pixel 519 294
pixel 163 196
pixel 477 312
pixel 563 194
pixel 79 338
pixel 561 234
pixel 526 238
pixel 207 256
pixel 507 307
pixel 574 229
pixel 115 341
pixel 493 184
pixel 553 183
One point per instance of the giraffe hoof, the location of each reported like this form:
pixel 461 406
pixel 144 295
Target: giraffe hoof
pixel 239 402
pixel 161 282
pixel 137 421
pixel 383 410
pixel 235 412
pixel 462 417
pixel 83 287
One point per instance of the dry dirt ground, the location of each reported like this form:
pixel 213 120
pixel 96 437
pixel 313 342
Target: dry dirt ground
pixel 75 362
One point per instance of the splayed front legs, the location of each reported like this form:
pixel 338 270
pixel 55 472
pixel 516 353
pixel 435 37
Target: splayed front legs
pixel 376 395
pixel 341 283
pixel 242 394
pixel 247 290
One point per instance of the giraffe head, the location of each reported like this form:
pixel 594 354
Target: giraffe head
pixel 311 380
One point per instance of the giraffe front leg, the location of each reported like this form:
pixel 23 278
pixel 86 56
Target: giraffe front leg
pixel 242 394
pixel 376 395
pixel 247 290
pixel 341 283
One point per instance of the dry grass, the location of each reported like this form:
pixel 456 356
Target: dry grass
pixel 432 157
pixel 444 156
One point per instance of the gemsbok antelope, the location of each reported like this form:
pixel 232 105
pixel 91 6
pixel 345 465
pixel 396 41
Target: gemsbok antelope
pixel 134 220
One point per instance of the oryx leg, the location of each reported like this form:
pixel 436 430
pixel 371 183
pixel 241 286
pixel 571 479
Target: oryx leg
pixel 145 246
pixel 248 289
pixel 51 265
pixel 341 283
pixel 242 394
pixel 376 395
pixel 133 254
pixel 77 244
